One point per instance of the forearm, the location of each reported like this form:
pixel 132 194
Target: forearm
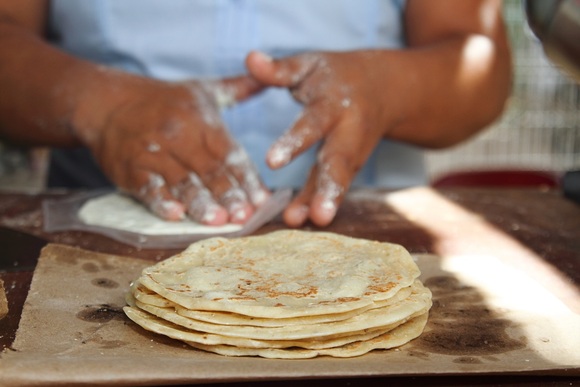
pixel 459 66
pixel 443 93
pixel 43 90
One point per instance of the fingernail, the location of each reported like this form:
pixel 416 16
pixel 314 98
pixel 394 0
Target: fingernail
pixel 327 211
pixel 264 56
pixel 214 216
pixel 260 197
pixel 209 216
pixel 239 216
pixel 328 206
pixel 168 209
pixel 279 156
pixel 296 216
pixel 240 213
pixel 302 211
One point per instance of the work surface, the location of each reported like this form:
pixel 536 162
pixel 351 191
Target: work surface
pixel 534 232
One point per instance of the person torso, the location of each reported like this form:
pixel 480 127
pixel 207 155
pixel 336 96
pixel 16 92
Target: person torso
pixel 185 39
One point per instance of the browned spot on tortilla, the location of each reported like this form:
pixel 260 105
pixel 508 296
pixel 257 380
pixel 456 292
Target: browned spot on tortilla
pixel 379 287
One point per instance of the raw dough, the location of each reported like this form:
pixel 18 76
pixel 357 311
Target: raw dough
pixel 118 211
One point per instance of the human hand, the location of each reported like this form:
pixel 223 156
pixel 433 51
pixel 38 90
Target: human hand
pixel 165 144
pixel 343 109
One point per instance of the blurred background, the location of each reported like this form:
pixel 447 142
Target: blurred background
pixel 539 131
pixel 540 128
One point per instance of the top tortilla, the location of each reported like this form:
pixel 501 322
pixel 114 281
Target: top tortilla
pixel 287 273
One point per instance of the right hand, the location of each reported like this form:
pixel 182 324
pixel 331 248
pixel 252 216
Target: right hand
pixel 165 144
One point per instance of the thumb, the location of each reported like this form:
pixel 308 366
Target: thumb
pixel 286 72
pixel 228 91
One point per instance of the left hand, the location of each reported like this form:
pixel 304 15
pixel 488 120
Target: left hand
pixel 343 109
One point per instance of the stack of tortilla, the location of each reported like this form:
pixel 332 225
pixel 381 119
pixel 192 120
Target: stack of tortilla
pixel 288 294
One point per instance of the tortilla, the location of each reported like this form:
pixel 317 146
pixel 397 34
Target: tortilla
pixel 289 294
pixel 391 339
pixel 419 301
pixel 287 273
pixel 159 325
pixel 146 296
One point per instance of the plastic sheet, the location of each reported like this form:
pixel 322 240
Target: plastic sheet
pixel 62 215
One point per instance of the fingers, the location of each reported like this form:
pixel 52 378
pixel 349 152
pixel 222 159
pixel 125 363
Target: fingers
pixel 223 93
pixel 308 129
pixel 245 172
pixel 222 167
pixel 227 191
pixel 190 196
pixel 332 180
pixel 338 105
pixel 216 197
pixel 221 193
pixel 321 196
pixel 225 169
pixel 287 72
pixel 172 196
pixel 339 159
pixel 157 198
pixel 325 186
pixel 298 211
pixel 198 201
pixel 151 189
pixel 236 89
pixel 236 185
pixel 168 147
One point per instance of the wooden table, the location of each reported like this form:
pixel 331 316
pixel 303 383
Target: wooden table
pixel 524 223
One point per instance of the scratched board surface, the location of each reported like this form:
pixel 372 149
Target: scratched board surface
pixel 487 318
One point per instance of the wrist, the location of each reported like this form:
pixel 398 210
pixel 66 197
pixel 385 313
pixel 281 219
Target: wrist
pixel 99 91
pixel 395 88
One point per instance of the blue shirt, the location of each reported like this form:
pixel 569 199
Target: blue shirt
pixel 184 39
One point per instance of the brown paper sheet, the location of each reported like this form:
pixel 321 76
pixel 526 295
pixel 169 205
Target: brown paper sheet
pixel 487 318
pixel 3 301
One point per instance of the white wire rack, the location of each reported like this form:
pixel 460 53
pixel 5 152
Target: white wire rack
pixel 540 128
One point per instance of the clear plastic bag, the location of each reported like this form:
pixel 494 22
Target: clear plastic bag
pixel 62 215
